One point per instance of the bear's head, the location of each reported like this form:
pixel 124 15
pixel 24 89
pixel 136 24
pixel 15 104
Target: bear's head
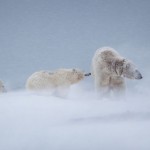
pixel 126 68
pixel 130 70
pixel 78 75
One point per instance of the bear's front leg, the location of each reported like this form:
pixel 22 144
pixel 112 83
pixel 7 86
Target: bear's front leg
pixel 118 87
pixel 102 86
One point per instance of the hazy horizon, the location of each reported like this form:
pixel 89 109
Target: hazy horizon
pixel 38 35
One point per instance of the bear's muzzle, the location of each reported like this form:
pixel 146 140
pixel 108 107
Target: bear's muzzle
pixel 138 75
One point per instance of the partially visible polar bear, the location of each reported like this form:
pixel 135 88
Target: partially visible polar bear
pixel 109 70
pixel 2 88
pixel 58 81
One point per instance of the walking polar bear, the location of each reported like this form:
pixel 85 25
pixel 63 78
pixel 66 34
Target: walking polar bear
pixel 58 81
pixel 2 88
pixel 109 70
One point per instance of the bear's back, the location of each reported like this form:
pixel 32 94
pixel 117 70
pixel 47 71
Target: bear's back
pixel 106 53
pixel 40 79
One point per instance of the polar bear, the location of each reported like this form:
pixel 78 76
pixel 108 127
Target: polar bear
pixel 57 81
pixel 109 69
pixel 2 88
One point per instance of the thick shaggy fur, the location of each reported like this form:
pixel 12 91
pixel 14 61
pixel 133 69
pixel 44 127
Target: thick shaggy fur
pixel 59 80
pixel 109 69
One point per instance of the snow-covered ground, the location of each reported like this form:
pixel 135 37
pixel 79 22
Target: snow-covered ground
pixel 81 122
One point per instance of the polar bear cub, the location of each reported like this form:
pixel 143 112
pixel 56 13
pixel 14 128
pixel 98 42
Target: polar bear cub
pixel 58 81
pixel 2 87
pixel 109 69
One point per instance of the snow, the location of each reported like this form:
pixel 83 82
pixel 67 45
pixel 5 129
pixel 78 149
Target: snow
pixel 80 122
pixel 47 35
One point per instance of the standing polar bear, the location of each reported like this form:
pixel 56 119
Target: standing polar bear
pixel 109 70
pixel 58 81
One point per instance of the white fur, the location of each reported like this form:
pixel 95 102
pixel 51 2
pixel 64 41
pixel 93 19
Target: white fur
pixel 109 69
pixel 58 81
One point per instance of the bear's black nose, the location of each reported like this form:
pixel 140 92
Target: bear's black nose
pixel 87 74
pixel 138 75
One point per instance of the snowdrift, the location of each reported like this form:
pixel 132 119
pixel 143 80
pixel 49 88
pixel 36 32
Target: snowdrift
pixel 81 122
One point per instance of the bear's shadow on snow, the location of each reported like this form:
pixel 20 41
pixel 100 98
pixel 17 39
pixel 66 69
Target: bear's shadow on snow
pixel 116 117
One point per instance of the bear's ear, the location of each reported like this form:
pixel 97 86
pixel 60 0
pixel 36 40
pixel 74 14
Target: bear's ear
pixel 123 60
pixel 127 65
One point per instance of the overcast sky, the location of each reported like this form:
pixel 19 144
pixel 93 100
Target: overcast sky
pixel 45 34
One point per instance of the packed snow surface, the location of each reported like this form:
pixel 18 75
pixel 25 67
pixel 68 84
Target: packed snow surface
pixel 31 121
